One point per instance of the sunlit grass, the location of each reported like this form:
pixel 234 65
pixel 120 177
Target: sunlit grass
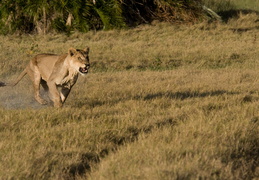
pixel 160 102
pixel 247 4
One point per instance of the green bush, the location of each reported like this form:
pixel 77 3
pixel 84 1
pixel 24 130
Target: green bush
pixel 43 16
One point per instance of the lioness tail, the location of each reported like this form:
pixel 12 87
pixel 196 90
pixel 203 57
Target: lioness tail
pixel 18 79
pixel 2 84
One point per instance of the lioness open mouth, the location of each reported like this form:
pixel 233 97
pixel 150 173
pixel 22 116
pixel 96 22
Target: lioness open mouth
pixel 83 70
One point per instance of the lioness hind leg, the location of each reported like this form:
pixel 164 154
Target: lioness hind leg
pixel 37 95
pixel 36 85
pixel 35 77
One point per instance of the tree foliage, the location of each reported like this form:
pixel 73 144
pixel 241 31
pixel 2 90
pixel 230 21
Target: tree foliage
pixel 43 16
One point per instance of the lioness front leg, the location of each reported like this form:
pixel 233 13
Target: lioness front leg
pixel 54 94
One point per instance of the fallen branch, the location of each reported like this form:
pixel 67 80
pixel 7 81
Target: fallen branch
pixel 211 13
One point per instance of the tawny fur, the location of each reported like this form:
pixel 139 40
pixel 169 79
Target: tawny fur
pixel 56 73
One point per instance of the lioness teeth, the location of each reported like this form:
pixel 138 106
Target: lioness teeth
pixel 83 70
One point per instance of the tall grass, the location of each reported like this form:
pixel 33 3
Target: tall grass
pixel 160 102
pixel 156 47
pixel 226 5
pixel 247 4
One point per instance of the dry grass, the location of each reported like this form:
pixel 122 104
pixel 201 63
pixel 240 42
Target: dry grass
pixel 246 4
pixel 161 102
pixel 158 47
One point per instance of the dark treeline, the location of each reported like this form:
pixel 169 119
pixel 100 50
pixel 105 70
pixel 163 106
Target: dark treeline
pixel 43 16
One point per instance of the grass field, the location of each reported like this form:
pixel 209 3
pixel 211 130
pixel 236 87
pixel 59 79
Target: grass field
pixel 160 102
pixel 225 5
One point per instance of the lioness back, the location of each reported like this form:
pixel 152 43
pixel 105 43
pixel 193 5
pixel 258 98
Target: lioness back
pixel 45 63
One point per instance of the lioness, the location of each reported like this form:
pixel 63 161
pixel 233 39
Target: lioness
pixel 56 73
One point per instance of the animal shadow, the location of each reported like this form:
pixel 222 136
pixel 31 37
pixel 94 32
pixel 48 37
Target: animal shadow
pixel 226 15
pixel 187 94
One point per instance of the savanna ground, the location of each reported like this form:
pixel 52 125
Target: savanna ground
pixel 160 102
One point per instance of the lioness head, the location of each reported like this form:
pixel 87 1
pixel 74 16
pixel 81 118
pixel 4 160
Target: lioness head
pixel 79 59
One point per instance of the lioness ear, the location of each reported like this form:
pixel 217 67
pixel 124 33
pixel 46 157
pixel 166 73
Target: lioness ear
pixel 72 51
pixel 87 49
